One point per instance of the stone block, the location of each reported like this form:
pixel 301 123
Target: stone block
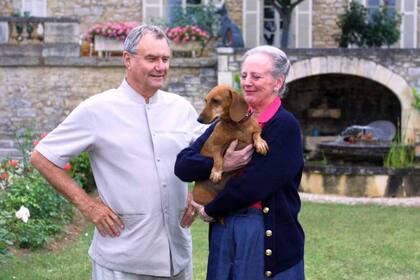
pixel 225 78
pixel 61 32
pixel 61 50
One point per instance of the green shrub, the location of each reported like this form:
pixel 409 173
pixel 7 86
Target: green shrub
pixel 48 211
pixel 399 154
pixel 356 29
pixel 203 16
pixel 416 95
pixel 82 172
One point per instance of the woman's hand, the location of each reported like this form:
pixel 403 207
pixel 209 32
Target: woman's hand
pixel 234 160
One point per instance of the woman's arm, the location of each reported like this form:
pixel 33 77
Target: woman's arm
pixel 190 165
pixel 264 175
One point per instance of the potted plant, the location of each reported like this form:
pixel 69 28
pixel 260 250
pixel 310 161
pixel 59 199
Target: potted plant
pixel 188 38
pixel 109 36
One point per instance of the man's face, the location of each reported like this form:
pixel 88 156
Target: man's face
pixel 148 68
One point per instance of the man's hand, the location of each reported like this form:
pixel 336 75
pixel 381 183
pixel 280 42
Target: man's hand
pixel 234 160
pixel 201 212
pixel 105 220
pixel 189 213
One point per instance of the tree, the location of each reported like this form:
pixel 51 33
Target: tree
pixel 357 28
pixel 285 9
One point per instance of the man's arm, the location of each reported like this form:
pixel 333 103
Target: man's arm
pixel 105 220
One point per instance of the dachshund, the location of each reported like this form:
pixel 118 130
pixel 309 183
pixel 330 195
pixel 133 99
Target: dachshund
pixel 235 121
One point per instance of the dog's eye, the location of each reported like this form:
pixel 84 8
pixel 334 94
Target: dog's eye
pixel 215 101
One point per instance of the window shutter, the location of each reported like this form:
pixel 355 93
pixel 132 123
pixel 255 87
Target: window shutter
pixel 303 27
pixel 153 10
pixel 252 23
pixel 408 24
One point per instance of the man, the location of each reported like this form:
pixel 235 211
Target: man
pixel 133 134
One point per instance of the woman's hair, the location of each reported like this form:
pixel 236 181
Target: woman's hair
pixel 138 32
pixel 281 63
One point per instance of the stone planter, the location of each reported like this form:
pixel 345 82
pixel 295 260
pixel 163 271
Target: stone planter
pixel 104 45
pixel 358 181
pixel 191 48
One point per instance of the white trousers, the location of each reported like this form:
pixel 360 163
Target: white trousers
pixel 102 273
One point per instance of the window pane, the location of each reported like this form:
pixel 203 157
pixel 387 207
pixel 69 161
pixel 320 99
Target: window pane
pixel 409 5
pixel 373 2
pixel 193 2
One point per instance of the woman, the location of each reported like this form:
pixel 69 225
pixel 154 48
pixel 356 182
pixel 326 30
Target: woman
pixel 262 237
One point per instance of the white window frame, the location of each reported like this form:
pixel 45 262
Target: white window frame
pixel 403 12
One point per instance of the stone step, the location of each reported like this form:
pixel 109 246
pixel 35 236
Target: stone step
pixel 6 144
pixel 11 153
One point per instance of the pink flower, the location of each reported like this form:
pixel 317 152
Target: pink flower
pixel 36 142
pixel 4 176
pixel 13 163
pixel 67 167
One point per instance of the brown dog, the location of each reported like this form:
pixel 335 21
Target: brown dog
pixel 236 122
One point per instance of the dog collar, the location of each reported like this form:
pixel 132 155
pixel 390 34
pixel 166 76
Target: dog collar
pixel 247 115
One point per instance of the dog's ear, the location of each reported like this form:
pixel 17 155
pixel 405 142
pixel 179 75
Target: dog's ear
pixel 238 106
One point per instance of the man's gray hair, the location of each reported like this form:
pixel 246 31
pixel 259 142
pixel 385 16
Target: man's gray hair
pixel 281 63
pixel 138 32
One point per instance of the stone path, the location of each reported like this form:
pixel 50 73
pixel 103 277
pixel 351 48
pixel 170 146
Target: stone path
pixel 388 201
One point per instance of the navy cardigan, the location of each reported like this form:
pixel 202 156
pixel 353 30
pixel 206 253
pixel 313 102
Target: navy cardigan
pixel 272 179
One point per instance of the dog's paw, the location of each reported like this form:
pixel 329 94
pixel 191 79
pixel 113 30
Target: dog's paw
pixel 261 147
pixel 215 176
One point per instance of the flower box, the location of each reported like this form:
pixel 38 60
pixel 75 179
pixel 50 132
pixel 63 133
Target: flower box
pixel 106 45
pixel 191 47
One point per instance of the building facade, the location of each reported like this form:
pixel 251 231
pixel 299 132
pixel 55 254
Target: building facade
pixel 40 85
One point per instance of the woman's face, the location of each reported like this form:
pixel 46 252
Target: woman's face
pixel 259 86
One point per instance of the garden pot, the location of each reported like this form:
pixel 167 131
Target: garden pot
pixel 104 45
pixel 193 48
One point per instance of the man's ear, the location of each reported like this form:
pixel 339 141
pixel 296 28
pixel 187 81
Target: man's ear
pixel 238 106
pixel 127 60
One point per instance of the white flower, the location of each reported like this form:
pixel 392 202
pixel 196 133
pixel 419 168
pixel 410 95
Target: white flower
pixel 23 214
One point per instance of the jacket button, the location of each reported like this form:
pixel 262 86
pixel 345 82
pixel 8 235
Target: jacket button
pixel 266 210
pixel 268 273
pixel 268 252
pixel 268 233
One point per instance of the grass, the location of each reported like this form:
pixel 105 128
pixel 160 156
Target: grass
pixel 342 242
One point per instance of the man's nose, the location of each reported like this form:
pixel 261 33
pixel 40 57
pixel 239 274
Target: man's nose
pixel 160 64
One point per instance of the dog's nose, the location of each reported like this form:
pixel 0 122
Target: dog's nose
pixel 200 119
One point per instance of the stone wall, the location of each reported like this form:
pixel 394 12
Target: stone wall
pixel 91 12
pixel 235 8
pixel 324 22
pixel 40 93
pixel 6 7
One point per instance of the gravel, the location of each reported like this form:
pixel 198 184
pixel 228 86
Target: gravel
pixel 387 201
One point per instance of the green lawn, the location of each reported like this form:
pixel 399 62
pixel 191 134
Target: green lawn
pixel 342 242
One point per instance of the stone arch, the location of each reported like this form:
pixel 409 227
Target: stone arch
pixel 369 70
